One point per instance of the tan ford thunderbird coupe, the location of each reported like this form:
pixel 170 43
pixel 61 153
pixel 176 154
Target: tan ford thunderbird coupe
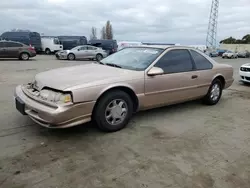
pixel 110 91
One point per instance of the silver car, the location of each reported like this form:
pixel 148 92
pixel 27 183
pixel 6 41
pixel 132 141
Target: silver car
pixel 82 52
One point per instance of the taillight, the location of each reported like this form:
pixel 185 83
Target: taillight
pixel 31 49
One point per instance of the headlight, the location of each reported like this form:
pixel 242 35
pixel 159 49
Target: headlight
pixel 56 97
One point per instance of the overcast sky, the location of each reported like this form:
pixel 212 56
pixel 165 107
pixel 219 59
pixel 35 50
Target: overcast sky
pixel 173 21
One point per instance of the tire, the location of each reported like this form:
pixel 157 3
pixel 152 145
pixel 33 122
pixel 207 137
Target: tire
pixel 47 51
pixel 209 99
pixel 24 56
pixel 103 115
pixel 99 57
pixel 71 56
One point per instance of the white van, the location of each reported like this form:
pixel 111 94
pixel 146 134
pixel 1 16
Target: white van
pixel 123 44
pixel 51 44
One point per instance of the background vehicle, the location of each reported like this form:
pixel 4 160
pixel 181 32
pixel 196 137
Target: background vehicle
pixel 220 52
pixel 244 73
pixel 213 54
pixel 229 54
pixel 29 38
pixel 51 45
pixel 110 46
pixel 11 49
pixel 70 42
pixel 244 54
pixel 133 79
pixel 123 44
pixel 82 52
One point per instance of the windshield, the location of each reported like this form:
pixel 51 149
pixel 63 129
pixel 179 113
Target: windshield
pixel 56 41
pixel 133 58
pixel 229 52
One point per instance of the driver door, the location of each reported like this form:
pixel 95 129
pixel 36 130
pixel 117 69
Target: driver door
pixel 82 52
pixel 176 84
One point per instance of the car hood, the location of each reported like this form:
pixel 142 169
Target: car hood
pixel 84 75
pixel 246 65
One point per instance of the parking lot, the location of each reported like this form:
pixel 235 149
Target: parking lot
pixel 188 145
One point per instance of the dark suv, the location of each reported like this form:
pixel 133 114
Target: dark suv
pixel 11 49
pixel 110 46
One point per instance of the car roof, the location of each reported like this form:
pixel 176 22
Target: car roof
pixel 164 47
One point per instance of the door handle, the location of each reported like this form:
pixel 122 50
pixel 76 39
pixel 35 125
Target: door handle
pixel 194 76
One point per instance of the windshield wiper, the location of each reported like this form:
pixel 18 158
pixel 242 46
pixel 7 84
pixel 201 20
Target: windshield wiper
pixel 113 65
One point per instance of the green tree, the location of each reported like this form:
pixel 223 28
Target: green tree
pixel 246 39
pixel 229 40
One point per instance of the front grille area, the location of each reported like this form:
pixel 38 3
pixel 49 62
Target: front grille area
pixel 245 69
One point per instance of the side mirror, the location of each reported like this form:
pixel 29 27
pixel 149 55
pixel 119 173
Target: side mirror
pixel 78 49
pixel 155 71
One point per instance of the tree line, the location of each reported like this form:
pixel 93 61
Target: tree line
pixel 231 40
pixel 105 33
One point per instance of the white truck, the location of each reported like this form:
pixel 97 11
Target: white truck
pixel 51 45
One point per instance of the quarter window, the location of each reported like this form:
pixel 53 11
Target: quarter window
pixel 91 48
pixel 200 61
pixel 176 61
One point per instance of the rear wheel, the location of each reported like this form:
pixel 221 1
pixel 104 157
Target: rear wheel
pixel 71 56
pixel 99 57
pixel 47 51
pixel 113 111
pixel 24 56
pixel 214 93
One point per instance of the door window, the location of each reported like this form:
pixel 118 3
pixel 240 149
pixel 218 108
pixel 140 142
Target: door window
pixel 176 61
pixel 200 61
pixel 83 48
pixel 13 44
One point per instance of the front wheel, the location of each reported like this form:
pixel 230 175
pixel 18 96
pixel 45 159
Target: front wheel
pixel 24 56
pixel 113 111
pixel 214 93
pixel 71 57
